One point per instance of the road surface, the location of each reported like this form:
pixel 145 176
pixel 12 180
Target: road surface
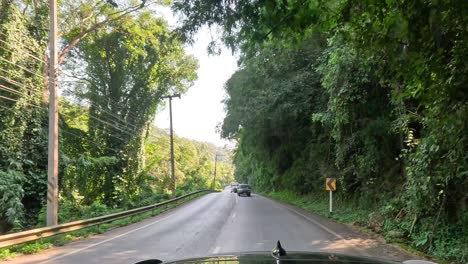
pixel 216 223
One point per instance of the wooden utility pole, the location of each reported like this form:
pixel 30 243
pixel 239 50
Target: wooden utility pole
pixel 173 179
pixel 214 177
pixel 53 154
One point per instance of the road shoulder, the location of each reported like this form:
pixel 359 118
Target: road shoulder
pixel 370 244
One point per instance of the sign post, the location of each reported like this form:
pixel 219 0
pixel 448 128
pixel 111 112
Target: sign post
pixel 330 185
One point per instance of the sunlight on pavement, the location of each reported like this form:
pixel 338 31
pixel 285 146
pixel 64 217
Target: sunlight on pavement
pixel 345 244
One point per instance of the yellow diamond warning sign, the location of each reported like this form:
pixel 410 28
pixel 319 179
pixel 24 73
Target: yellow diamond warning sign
pixel 330 184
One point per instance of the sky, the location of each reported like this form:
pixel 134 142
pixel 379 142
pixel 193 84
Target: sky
pixel 200 110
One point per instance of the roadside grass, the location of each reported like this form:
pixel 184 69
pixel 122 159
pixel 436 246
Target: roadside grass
pixel 63 239
pixel 371 218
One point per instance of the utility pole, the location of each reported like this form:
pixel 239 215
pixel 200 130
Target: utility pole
pixel 214 176
pixel 173 179
pixel 53 155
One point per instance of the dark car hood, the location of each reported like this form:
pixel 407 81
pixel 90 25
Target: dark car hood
pixel 290 258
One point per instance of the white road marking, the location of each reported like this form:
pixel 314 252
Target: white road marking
pixel 237 199
pixel 105 241
pixel 234 215
pixel 306 217
pixel 318 224
pixel 321 226
pixel 216 250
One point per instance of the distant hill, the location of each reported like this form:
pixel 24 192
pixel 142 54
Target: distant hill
pixel 224 153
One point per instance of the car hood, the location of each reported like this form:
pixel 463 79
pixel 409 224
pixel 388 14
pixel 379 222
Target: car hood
pixel 268 258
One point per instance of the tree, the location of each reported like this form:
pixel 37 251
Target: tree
pixel 391 109
pixel 22 120
pixel 194 163
pixel 129 66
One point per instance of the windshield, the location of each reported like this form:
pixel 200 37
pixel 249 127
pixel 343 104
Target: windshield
pixel 130 128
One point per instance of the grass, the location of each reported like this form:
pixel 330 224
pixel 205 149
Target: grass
pixel 319 204
pixel 62 239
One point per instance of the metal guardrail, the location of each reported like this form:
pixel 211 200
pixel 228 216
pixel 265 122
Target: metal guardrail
pixel 38 233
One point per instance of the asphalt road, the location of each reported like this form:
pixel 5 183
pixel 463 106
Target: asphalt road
pixel 217 223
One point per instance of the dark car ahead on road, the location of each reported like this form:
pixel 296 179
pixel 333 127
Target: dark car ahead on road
pixel 234 188
pixel 243 189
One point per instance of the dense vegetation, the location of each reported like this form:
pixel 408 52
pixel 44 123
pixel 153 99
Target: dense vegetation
pixel 116 61
pixel 373 93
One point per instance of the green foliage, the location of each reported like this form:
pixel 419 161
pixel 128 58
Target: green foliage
pixel 34 248
pixel 194 163
pixel 113 80
pixel 448 243
pixel 22 127
pixel 370 92
pixel 11 208
pixel 6 253
pixel 143 61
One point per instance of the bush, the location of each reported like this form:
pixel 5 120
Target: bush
pixel 6 253
pixel 445 240
pixel 94 210
pixel 11 207
pixel 34 248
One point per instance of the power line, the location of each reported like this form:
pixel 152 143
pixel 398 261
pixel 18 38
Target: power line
pixel 33 53
pixel 6 108
pixel 15 100
pixel 28 70
pixel 125 141
pixel 21 67
pixel 13 91
pixel 122 121
pixel 89 140
pixel 124 129
pixel 96 105
pixel 19 85
pixel 113 115
pixel 69 133
pixel 12 51
pixel 112 102
pixel 119 120
pixel 112 125
pixel 128 132
pixel 6 88
pixel 120 126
